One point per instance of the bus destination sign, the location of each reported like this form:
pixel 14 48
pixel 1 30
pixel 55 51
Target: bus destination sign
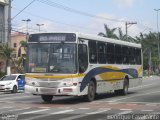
pixel 52 37
pixel 55 38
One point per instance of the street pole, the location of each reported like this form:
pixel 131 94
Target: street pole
pixel 157 10
pixel 9 23
pixel 39 25
pixel 27 20
pixel 126 24
pixel 9 34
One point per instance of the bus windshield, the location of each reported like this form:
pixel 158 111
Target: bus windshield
pixel 52 58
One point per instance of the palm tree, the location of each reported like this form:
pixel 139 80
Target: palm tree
pixel 20 60
pixel 23 44
pixel 121 36
pixel 5 52
pixel 109 33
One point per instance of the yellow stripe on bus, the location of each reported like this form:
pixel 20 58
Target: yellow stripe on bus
pixel 112 76
pixel 56 76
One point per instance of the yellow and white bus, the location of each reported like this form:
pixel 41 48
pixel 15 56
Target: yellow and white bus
pixel 78 64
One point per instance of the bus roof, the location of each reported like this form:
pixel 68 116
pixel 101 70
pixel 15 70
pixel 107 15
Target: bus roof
pixel 99 38
pixel 109 40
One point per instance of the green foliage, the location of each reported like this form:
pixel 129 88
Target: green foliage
pixel 108 32
pixel 5 52
pixel 2 74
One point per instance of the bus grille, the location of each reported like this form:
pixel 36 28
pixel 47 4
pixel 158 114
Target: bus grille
pixel 50 84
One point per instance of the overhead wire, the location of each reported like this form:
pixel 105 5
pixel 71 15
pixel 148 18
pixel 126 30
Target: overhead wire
pixel 23 9
pixel 60 6
pixel 54 21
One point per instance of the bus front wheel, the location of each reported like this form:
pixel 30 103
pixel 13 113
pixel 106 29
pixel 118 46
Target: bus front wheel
pixel 47 98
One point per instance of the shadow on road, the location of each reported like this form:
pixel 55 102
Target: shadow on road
pixel 79 100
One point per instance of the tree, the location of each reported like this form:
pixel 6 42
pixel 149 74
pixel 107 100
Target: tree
pixel 109 33
pixel 5 52
pixel 23 44
pixel 21 59
pixel 121 35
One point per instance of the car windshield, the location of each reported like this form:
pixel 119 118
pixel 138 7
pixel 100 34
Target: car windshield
pixel 9 77
pixel 52 58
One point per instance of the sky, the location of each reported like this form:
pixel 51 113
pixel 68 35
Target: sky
pixel 85 16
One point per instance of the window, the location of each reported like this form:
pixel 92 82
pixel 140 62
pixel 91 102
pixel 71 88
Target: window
pixel 14 45
pixel 110 53
pixel 101 52
pixel 118 54
pixel 132 56
pixel 138 56
pixel 82 58
pixel 92 51
pixel 125 51
pixel 2 23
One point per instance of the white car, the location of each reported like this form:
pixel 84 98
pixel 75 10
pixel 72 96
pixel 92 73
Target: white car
pixel 12 83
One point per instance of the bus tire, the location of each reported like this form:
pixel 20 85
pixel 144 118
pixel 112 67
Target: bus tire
pixel 47 98
pixel 123 91
pixel 91 92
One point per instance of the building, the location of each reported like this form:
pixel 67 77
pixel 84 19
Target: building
pixel 4 25
pixel 16 39
pixel 4 21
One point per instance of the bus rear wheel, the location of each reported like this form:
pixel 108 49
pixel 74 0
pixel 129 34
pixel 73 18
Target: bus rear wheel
pixel 91 92
pixel 47 98
pixel 123 91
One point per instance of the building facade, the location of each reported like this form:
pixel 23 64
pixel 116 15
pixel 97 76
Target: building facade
pixel 4 5
pixel 16 39
pixel 4 15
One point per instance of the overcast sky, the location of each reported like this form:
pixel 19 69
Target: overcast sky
pixel 86 16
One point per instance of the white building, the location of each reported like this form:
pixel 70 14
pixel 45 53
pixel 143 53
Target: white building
pixel 4 20
pixel 4 28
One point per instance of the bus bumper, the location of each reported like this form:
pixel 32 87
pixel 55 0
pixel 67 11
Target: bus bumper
pixel 73 90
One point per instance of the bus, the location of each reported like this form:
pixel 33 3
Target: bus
pixel 77 64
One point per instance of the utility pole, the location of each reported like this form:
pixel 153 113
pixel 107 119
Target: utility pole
pixel 9 33
pixel 127 26
pixel 157 10
pixel 9 23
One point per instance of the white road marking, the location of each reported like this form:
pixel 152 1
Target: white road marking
pixel 55 113
pixel 125 112
pixel 84 108
pixel 65 111
pixel 126 109
pixel 99 111
pixel 146 110
pixel 84 115
pixel 36 111
pixel 20 109
pixel 151 104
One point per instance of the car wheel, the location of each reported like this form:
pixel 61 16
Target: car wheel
pixel 14 89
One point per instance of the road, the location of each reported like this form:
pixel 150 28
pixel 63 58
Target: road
pixel 142 102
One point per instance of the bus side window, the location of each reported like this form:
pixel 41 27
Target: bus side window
pixel 92 51
pixel 82 58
